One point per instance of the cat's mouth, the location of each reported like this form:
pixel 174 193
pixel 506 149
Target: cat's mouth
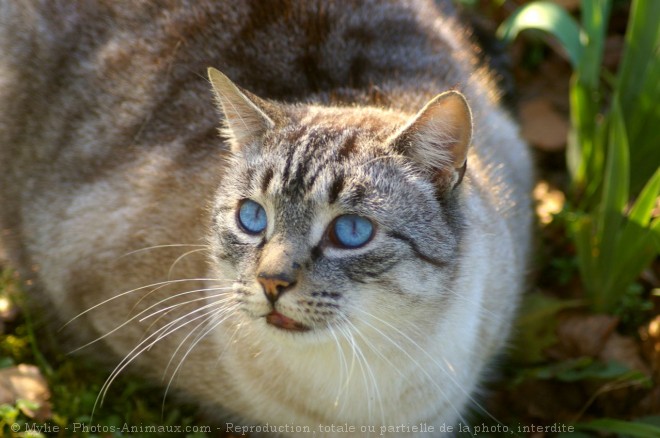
pixel 276 319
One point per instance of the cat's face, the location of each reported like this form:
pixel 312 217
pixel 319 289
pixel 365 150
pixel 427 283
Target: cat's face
pixel 323 221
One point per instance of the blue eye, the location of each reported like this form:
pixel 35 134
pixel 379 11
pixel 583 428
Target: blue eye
pixel 351 231
pixel 252 217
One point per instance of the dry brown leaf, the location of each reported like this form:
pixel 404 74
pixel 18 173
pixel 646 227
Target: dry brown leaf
pixel 542 125
pixel 615 394
pixel 539 401
pixel 26 382
pixel 650 404
pixel 582 335
pixel 624 350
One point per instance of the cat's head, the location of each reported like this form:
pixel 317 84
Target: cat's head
pixel 338 217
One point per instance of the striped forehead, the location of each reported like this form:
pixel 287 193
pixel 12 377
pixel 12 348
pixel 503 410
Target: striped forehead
pixel 307 160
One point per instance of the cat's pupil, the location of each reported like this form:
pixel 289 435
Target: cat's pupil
pixel 252 217
pixel 351 231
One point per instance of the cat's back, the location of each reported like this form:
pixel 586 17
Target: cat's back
pixel 283 49
pixel 132 72
pixel 80 81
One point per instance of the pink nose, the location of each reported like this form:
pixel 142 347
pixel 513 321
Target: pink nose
pixel 274 286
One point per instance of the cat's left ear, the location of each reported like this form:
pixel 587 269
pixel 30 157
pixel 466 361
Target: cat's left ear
pixel 246 117
pixel 438 137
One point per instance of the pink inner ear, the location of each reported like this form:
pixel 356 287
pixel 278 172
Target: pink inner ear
pixel 244 119
pixel 448 116
pixel 440 134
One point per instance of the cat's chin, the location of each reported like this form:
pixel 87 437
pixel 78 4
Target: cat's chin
pixel 282 322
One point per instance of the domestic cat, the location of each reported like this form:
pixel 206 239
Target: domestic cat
pixel 349 249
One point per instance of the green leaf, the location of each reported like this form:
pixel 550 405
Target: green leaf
pixel 617 165
pixel 547 17
pixel 585 150
pixel 642 43
pixel 6 362
pixel 651 419
pixel 581 144
pixel 25 404
pixel 655 233
pixel 586 368
pixel 601 371
pixel 642 210
pixel 638 89
pixel 634 255
pixel 595 14
pixel 581 227
pixel 628 428
pixel 8 412
pixel 637 241
pixel 610 214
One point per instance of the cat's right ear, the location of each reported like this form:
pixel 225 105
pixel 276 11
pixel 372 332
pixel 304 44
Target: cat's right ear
pixel 245 116
pixel 438 137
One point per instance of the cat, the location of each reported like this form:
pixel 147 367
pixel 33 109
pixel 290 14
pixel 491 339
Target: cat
pixel 348 249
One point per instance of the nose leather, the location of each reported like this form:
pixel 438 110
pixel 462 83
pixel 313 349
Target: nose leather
pixel 274 286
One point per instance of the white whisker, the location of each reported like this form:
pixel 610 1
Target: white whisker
pixel 170 309
pixel 159 334
pixel 410 357
pixel 216 318
pixel 374 380
pixel 133 318
pixel 181 257
pixel 367 376
pixel 174 245
pixel 343 366
pixel 431 358
pixel 135 290
pixel 173 306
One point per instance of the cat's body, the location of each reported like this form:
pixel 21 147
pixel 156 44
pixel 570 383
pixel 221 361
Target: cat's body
pixel 110 158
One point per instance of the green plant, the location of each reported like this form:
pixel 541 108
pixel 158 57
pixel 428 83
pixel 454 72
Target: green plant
pixel 636 429
pixel 615 123
pixel 74 385
pixel 609 215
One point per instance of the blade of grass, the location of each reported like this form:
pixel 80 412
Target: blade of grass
pixel 586 150
pixel 642 43
pixel 595 14
pixel 617 173
pixel 610 213
pixel 581 148
pixel 629 268
pixel 627 428
pixel 587 252
pixel 636 250
pixel 550 18
pixel 638 89
pixel 655 233
pixel 643 208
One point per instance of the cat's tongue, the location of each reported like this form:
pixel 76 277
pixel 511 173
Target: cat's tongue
pixel 284 322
